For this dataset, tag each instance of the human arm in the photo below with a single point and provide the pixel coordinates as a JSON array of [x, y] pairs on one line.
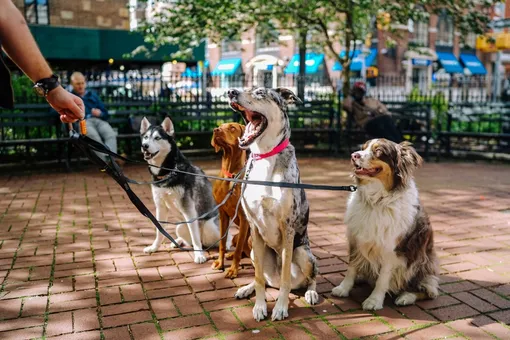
[[20, 46], [99, 105], [382, 109]]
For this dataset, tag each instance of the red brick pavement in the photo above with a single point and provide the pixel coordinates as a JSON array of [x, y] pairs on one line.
[[72, 266]]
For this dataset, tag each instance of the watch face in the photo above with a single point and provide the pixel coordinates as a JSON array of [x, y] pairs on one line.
[[39, 91]]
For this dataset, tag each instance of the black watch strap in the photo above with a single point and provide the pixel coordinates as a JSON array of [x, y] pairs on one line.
[[45, 85]]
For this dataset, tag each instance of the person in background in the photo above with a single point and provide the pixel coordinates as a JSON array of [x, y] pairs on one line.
[[370, 114], [19, 44], [96, 115]]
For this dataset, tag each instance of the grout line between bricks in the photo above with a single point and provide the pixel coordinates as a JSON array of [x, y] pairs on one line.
[[15, 256], [153, 314], [94, 267], [53, 262]]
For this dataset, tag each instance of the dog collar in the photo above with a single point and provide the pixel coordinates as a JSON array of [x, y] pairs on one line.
[[279, 148], [227, 173]]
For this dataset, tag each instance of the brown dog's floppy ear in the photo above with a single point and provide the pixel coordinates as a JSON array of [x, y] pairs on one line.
[[288, 95], [216, 147]]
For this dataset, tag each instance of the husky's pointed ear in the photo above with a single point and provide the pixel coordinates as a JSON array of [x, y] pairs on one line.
[[288, 96], [144, 125], [168, 126]]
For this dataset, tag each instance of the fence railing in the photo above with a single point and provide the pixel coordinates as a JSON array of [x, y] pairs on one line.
[[152, 85]]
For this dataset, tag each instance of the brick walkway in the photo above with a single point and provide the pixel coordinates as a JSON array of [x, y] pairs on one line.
[[72, 265]]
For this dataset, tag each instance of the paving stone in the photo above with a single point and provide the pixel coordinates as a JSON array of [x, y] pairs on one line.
[[472, 241]]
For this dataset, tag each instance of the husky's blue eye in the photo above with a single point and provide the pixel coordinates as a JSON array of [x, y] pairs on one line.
[[157, 138]]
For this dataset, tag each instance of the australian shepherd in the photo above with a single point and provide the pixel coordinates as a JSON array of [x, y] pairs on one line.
[[390, 237]]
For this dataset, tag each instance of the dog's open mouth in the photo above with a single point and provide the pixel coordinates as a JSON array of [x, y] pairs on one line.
[[147, 155], [359, 171], [256, 123]]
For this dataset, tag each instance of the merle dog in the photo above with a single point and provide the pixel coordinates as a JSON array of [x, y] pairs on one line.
[[278, 216]]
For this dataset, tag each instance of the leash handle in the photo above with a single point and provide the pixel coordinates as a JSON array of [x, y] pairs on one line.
[[83, 127]]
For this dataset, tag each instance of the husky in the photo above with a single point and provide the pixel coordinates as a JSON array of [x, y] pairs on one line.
[[278, 217], [190, 195]]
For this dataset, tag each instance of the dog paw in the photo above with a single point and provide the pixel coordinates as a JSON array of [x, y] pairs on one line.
[[311, 297], [340, 291], [373, 303], [405, 299], [244, 292], [280, 311], [150, 249], [179, 242], [259, 311], [232, 272], [217, 264], [200, 258]]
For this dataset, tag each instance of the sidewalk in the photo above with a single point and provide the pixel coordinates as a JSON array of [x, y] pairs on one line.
[[73, 267]]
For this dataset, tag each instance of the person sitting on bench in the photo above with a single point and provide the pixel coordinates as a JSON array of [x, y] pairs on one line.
[[370, 114], [96, 115]]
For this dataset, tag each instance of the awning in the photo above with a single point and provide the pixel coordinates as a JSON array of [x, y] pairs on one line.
[[61, 44], [449, 62], [313, 64], [196, 72], [473, 64], [356, 62], [227, 67]]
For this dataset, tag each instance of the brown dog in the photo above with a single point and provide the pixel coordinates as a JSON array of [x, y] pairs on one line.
[[225, 138]]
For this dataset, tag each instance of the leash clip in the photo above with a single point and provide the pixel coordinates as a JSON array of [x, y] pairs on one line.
[[352, 188]]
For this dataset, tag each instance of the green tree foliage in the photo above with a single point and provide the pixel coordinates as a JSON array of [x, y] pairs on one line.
[[331, 25]]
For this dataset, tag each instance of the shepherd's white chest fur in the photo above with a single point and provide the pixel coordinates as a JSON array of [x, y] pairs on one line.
[[265, 205], [376, 220]]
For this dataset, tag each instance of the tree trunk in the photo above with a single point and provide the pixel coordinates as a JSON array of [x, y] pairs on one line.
[[301, 81]]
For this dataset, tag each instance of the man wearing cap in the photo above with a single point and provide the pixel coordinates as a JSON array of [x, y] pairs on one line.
[[370, 114]]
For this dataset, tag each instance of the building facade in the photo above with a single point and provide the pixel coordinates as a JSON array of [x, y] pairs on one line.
[[423, 52], [112, 14]]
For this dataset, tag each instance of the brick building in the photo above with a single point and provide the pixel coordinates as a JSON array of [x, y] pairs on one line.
[[76, 13], [424, 51], [92, 34]]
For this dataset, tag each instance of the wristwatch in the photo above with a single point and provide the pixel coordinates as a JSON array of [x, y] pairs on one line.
[[44, 86]]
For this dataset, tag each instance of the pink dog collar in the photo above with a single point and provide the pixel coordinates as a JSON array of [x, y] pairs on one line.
[[279, 148]]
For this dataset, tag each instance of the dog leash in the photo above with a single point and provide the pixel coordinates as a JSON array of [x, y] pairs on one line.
[[88, 145], [82, 142], [98, 147]]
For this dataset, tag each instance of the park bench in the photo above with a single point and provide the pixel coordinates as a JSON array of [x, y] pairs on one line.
[[30, 133], [412, 119], [315, 125], [477, 129]]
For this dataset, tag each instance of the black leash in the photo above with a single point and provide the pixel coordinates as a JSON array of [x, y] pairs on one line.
[[88, 146], [98, 147]]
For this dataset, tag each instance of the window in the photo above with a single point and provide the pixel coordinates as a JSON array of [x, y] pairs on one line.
[[271, 43], [444, 30], [230, 45], [470, 41], [419, 33], [37, 12]]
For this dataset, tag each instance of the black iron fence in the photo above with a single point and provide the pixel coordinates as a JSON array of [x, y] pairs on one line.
[[460, 114]]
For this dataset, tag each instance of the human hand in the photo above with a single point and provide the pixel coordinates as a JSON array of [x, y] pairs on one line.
[[69, 107], [96, 112]]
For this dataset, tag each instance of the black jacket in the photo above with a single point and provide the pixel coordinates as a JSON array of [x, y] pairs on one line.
[[6, 95]]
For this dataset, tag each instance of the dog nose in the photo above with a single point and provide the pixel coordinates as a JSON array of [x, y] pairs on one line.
[[145, 146], [355, 155], [232, 93], [217, 130]]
